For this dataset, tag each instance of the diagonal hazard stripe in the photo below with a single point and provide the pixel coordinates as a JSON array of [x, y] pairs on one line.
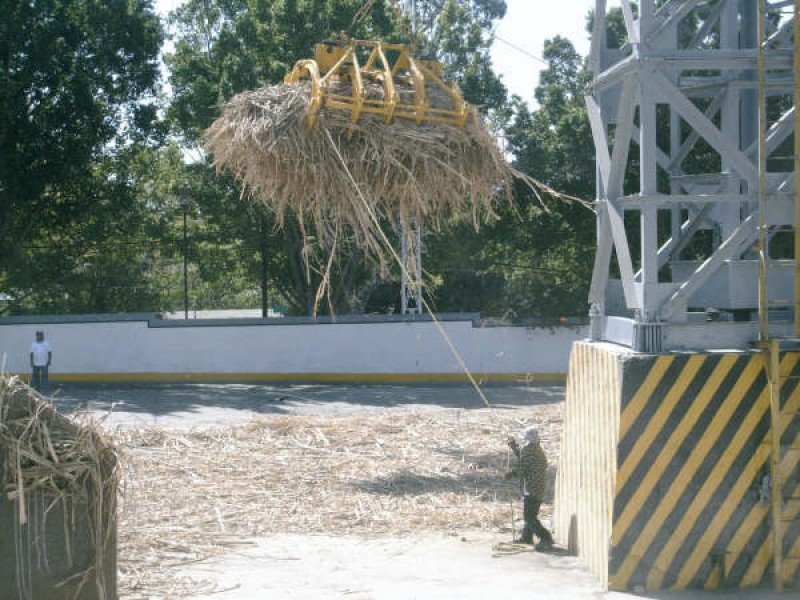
[[656, 473], [761, 559], [792, 564], [743, 483], [642, 396], [758, 566], [752, 521], [757, 513], [715, 429], [749, 526], [667, 502], [656, 424]]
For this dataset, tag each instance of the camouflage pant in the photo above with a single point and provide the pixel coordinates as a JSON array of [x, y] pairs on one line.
[[530, 512]]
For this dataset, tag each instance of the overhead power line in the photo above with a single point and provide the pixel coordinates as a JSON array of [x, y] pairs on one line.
[[521, 50]]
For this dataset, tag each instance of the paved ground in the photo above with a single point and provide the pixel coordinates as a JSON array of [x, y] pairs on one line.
[[189, 405], [424, 567], [428, 567]]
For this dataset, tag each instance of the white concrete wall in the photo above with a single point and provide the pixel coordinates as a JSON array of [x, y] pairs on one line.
[[379, 348]]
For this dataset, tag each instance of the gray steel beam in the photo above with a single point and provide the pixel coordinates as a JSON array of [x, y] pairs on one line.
[[674, 308], [670, 64]]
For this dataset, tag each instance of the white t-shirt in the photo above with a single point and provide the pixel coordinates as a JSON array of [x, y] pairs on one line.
[[40, 351]]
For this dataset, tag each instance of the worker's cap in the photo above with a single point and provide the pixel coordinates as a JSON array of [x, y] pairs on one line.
[[530, 435]]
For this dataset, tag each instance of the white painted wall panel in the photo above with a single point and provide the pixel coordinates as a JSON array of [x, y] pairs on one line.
[[370, 348]]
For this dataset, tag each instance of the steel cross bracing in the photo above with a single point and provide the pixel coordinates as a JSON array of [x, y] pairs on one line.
[[411, 276], [674, 112], [411, 236]]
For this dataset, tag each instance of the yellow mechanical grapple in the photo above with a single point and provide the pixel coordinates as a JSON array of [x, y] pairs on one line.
[[412, 88]]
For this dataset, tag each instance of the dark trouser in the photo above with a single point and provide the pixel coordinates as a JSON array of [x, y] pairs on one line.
[[39, 379], [530, 512]]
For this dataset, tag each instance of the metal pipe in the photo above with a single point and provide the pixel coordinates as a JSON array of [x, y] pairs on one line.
[[772, 346], [796, 168], [185, 265], [749, 112], [264, 250], [763, 291]]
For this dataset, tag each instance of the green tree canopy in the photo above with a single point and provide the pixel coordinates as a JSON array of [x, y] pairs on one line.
[[74, 79], [535, 261], [72, 72], [226, 47], [459, 33]]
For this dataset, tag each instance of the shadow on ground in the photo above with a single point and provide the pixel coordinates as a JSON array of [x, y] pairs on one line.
[[166, 399], [487, 485]]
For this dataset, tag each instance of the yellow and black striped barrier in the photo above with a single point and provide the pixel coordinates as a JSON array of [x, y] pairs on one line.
[[681, 443]]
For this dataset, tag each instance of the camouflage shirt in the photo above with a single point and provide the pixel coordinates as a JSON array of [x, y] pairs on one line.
[[532, 469]]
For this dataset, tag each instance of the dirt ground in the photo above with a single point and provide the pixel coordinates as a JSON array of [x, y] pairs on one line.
[[424, 566], [300, 492]]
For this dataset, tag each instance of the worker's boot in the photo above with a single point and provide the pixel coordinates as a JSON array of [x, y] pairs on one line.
[[526, 537], [545, 539]]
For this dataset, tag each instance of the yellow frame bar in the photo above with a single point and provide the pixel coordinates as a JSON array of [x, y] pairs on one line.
[[377, 66]]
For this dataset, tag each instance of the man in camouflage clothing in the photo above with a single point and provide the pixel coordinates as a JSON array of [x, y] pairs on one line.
[[532, 471]]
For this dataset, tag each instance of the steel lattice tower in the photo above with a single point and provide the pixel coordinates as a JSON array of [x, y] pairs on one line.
[[678, 100]]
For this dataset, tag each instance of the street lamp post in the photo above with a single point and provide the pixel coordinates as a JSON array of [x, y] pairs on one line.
[[184, 200], [264, 300]]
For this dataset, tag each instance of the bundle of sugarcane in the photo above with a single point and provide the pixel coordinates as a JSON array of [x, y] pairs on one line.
[[345, 178], [47, 459]]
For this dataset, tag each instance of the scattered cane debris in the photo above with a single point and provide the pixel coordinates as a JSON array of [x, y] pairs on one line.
[[53, 468], [193, 494]]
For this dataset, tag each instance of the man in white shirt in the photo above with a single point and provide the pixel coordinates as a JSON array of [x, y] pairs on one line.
[[41, 358]]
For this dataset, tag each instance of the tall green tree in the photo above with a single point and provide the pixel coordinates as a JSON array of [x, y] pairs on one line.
[[73, 74], [554, 144], [121, 256], [459, 33], [225, 47], [535, 260]]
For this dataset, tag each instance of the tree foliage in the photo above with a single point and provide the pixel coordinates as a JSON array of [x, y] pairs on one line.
[[117, 257], [223, 48], [73, 77], [71, 71], [459, 34], [535, 261], [90, 164]]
